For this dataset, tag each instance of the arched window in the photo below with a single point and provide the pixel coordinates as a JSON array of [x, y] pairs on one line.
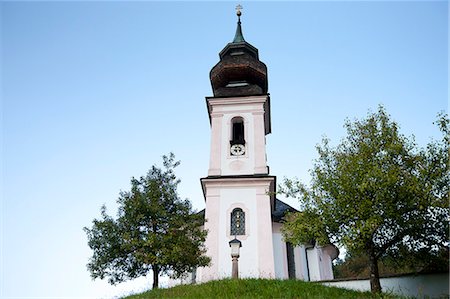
[[237, 222], [237, 133]]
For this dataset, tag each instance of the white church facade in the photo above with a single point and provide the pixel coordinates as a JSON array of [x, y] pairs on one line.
[[239, 191]]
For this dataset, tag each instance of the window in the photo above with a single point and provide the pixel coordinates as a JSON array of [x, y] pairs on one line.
[[237, 222], [237, 84], [237, 133]]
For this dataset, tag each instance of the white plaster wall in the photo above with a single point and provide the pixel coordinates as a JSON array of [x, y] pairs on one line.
[[303, 273], [244, 198], [251, 109], [313, 264], [420, 286], [280, 256], [257, 258], [299, 258], [212, 216], [434, 285], [238, 165], [357, 285], [326, 266], [279, 252], [256, 254], [320, 262], [264, 227]]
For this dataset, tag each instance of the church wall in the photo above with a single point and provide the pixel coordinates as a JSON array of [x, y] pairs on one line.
[[260, 163], [238, 176], [235, 165], [280, 256], [327, 271], [279, 252], [303, 273], [320, 262], [244, 198], [265, 244], [256, 253], [300, 263], [313, 264], [216, 149], [329, 252], [254, 160], [212, 211]]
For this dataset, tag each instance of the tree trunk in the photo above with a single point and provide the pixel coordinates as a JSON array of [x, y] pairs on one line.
[[375, 285], [155, 276]]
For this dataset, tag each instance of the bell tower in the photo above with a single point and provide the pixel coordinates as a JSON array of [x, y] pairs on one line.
[[239, 111], [238, 189]]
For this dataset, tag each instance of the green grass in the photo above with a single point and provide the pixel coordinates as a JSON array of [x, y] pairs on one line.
[[256, 288]]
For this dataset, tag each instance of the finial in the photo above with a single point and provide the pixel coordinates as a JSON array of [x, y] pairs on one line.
[[238, 11], [238, 37]]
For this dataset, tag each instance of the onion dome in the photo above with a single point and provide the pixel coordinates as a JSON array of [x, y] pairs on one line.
[[239, 71]]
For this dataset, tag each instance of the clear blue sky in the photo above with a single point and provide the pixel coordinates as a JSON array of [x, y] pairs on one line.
[[94, 93]]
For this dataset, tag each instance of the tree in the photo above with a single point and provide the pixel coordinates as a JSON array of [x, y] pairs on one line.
[[154, 230], [375, 193]]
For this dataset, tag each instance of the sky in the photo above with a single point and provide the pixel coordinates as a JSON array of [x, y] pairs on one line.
[[94, 93]]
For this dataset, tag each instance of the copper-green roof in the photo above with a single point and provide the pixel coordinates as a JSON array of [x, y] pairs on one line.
[[238, 37]]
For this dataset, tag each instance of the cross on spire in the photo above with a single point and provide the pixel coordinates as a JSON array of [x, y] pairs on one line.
[[238, 36], [238, 11]]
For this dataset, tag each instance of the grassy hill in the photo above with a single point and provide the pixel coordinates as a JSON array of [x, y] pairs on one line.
[[256, 288]]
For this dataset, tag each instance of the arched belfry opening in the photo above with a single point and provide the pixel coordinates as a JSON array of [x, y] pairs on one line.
[[237, 131]]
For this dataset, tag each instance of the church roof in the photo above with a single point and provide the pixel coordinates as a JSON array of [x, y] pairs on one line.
[[239, 37], [202, 212], [281, 208]]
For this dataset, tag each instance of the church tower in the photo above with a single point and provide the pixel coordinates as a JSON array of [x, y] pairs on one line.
[[238, 189]]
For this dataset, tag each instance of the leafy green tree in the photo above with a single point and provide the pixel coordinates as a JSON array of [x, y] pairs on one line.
[[154, 230], [375, 193]]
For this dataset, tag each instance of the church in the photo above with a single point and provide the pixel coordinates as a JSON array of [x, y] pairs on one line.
[[239, 191]]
